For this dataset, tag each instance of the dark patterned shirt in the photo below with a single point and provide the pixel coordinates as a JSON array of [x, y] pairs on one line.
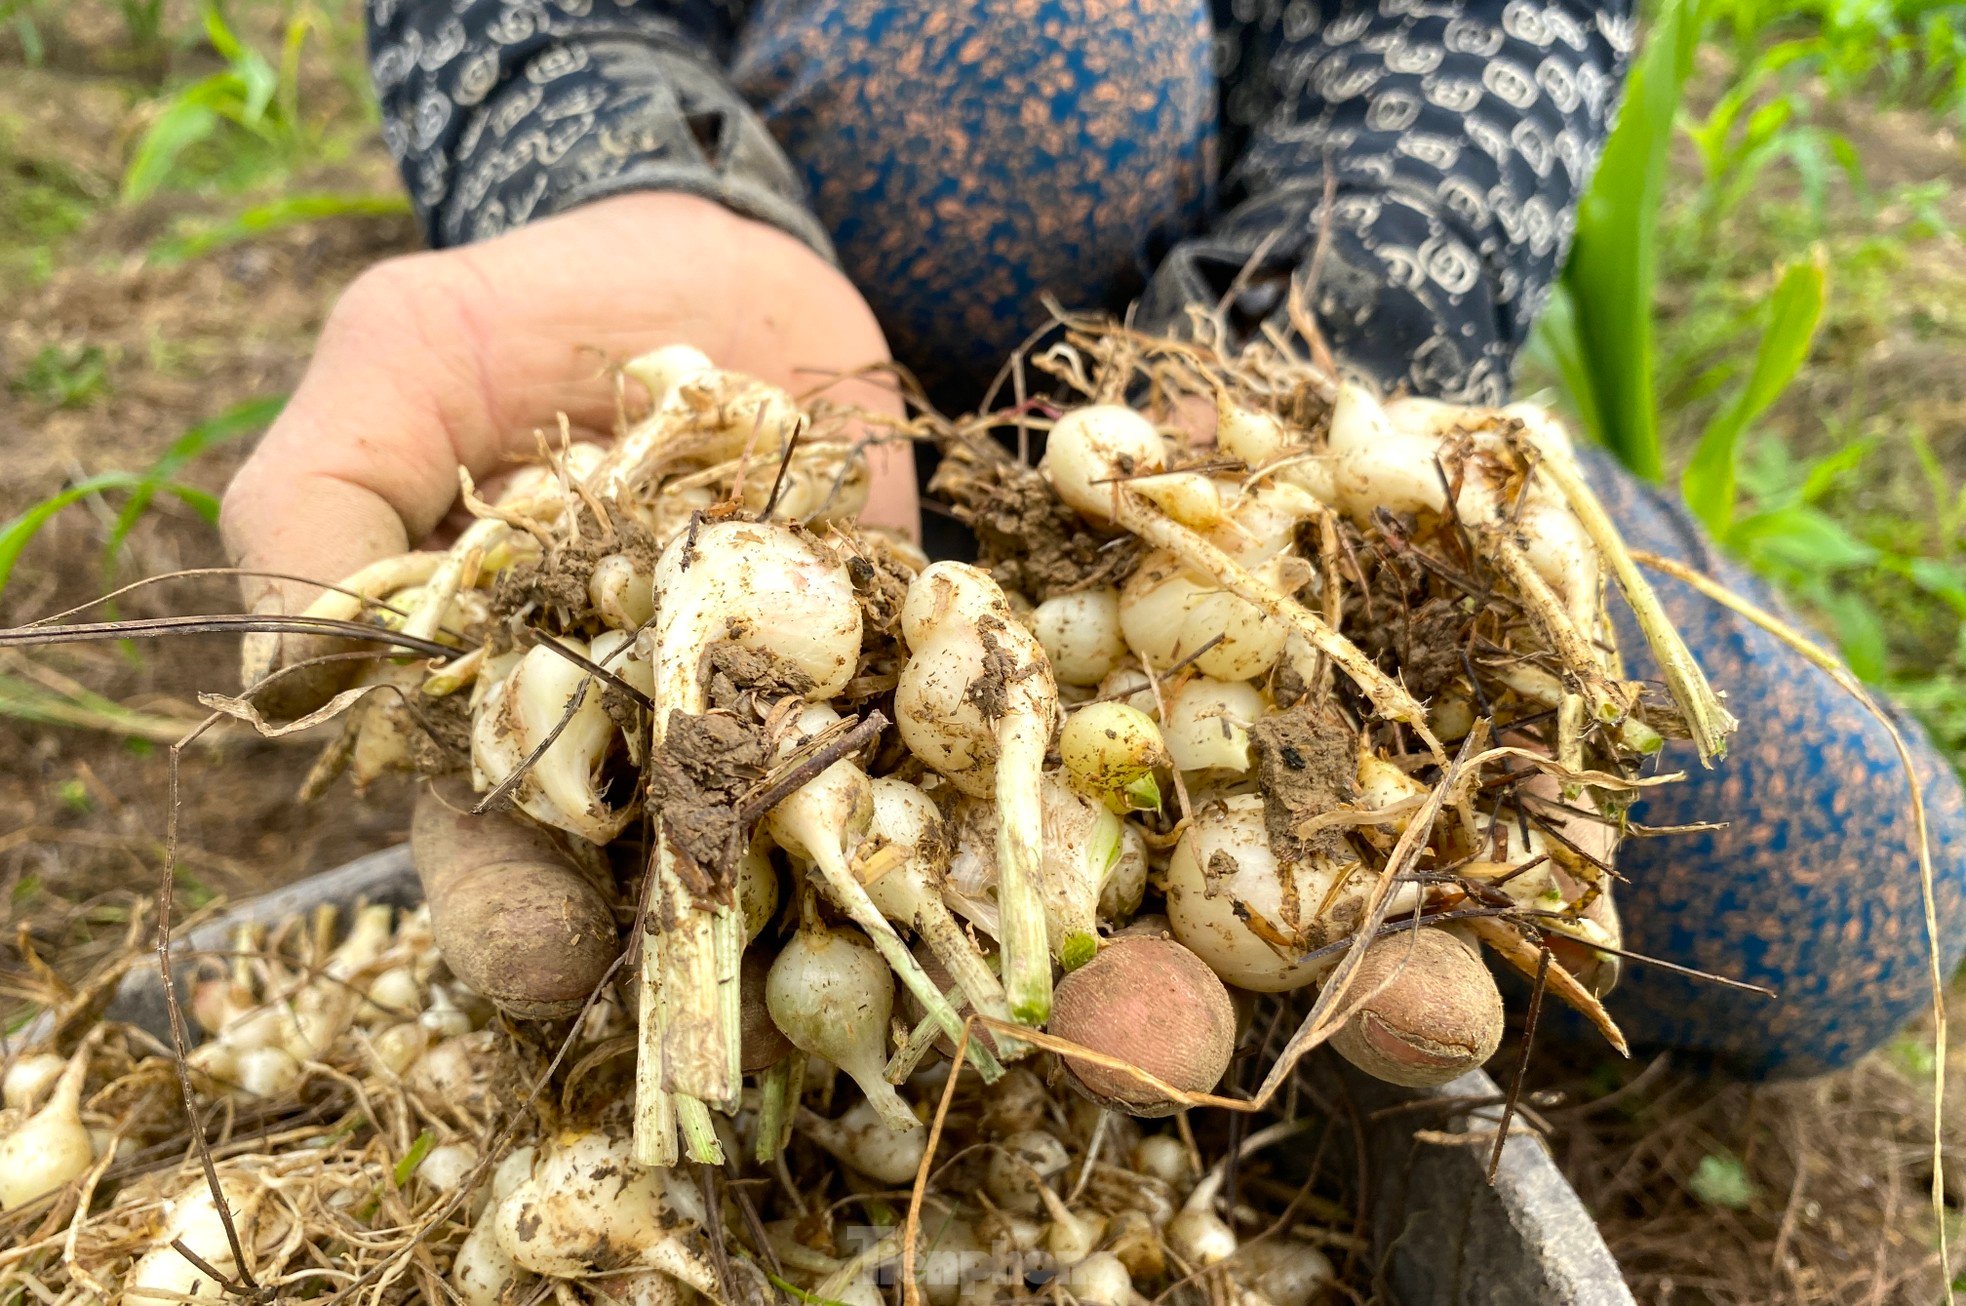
[[1454, 140]]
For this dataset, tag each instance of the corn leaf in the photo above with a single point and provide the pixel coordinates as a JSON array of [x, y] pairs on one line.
[[253, 415], [1795, 310], [1802, 539], [1859, 631], [16, 534], [185, 122], [1614, 259], [1557, 343], [289, 211]]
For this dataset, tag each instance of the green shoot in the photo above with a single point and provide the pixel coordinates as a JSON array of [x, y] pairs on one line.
[[413, 1158], [142, 487], [1794, 311], [287, 211], [251, 103], [64, 377]]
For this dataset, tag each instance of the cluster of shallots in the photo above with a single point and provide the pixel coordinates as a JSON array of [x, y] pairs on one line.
[[856, 784], [345, 1086], [370, 1128]]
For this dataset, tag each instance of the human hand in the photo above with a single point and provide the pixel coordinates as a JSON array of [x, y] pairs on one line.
[[453, 358]]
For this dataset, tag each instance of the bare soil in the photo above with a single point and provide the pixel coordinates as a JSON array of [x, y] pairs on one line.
[[84, 813]]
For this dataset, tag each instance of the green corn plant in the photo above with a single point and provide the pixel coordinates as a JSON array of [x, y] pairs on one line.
[[139, 489], [1763, 117], [197, 239], [250, 107], [1795, 309], [1600, 331]]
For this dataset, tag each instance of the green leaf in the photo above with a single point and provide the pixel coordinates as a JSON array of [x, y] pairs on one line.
[[1557, 340], [1859, 632], [1802, 538], [1613, 263], [298, 30], [1720, 1180], [1913, 1055], [243, 419], [1795, 309], [1827, 472], [219, 32], [64, 377], [289, 211], [16, 534], [414, 1157], [183, 123], [1939, 578]]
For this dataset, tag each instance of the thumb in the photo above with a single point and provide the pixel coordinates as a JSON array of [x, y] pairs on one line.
[[362, 462]]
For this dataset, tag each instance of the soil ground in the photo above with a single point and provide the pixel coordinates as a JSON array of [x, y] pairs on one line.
[[1709, 1192]]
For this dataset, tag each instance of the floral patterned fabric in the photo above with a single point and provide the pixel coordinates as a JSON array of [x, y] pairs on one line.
[[962, 159]]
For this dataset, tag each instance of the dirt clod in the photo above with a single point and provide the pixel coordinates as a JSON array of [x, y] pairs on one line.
[[695, 776], [736, 670], [1026, 539], [1304, 762]]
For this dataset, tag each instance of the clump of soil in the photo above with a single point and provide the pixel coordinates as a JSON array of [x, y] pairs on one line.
[[706, 763], [696, 775], [736, 670], [1025, 538], [1306, 763]]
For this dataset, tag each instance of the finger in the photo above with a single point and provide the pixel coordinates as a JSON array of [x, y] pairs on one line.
[[359, 465], [893, 500], [512, 914]]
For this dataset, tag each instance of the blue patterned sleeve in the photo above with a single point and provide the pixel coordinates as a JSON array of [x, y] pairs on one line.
[[499, 113], [1455, 140]]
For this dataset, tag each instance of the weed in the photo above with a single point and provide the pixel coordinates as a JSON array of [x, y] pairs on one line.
[[139, 488], [1721, 1180], [248, 113], [64, 376], [287, 211]]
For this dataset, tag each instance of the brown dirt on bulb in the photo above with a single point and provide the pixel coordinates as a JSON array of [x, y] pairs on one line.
[[990, 692], [880, 582], [1304, 767], [441, 740], [736, 670], [1025, 538], [696, 775], [556, 584], [1428, 643], [1420, 639]]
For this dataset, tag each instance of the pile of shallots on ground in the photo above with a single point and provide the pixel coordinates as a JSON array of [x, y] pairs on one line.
[[380, 1131], [1259, 686]]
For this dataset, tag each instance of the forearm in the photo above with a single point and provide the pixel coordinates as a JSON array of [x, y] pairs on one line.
[[499, 116], [1454, 151]]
